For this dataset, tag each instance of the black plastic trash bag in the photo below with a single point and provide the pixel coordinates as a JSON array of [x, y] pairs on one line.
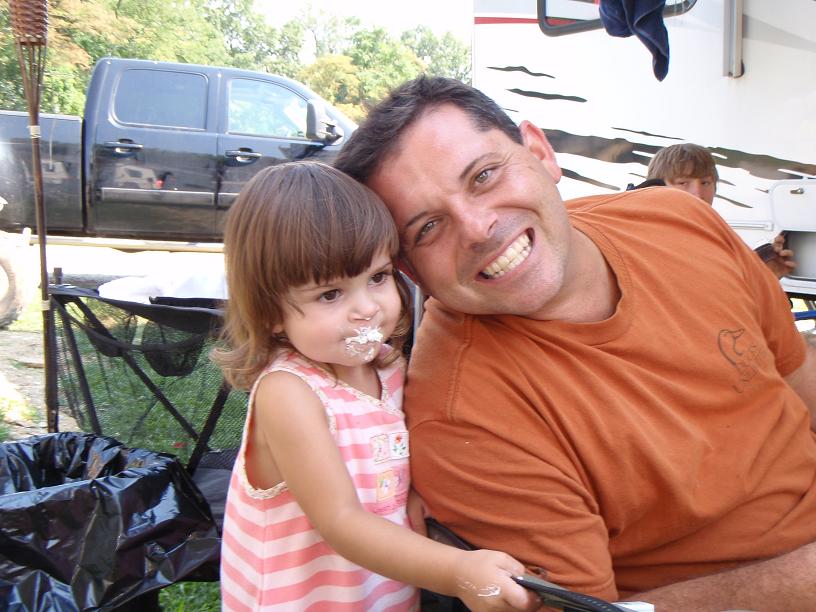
[[86, 523]]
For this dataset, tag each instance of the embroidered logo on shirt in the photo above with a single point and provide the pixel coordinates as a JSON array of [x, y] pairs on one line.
[[385, 447], [379, 448], [386, 485], [741, 353], [399, 444], [392, 489]]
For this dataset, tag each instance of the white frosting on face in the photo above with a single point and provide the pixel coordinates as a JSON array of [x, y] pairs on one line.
[[365, 344]]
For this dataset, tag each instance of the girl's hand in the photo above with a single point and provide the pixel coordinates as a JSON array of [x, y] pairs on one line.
[[416, 513], [484, 582]]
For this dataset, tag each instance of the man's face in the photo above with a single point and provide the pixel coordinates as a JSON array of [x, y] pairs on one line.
[[703, 187], [482, 225]]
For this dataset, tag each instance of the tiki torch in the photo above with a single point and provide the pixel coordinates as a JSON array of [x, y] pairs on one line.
[[29, 24]]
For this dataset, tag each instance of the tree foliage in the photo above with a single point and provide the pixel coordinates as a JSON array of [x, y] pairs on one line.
[[350, 65]]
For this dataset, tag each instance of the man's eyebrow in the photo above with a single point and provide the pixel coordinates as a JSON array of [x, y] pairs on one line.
[[467, 169], [411, 221]]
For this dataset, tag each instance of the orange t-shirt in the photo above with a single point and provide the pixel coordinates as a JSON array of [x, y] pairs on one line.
[[655, 446]]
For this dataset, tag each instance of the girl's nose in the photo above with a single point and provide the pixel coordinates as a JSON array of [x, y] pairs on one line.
[[365, 308]]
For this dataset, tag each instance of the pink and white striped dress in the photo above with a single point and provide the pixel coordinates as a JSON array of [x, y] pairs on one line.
[[271, 556]]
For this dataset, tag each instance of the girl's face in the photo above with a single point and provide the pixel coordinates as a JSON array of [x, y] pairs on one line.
[[344, 321]]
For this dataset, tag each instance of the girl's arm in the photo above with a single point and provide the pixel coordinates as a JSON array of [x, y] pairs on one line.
[[292, 424]]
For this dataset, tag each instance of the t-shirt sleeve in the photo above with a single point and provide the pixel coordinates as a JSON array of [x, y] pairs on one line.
[[773, 306]]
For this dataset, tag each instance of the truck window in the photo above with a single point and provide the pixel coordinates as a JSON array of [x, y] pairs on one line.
[[261, 108], [162, 98], [558, 17]]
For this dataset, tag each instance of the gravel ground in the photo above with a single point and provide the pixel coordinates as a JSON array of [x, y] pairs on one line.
[[22, 383]]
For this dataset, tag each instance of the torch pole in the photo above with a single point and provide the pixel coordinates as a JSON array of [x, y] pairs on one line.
[[29, 23]]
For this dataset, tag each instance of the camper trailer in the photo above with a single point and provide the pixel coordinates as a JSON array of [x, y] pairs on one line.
[[741, 81]]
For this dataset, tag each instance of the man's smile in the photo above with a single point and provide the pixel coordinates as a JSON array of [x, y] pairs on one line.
[[514, 255]]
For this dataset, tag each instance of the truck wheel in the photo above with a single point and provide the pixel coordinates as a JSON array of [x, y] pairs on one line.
[[12, 294]]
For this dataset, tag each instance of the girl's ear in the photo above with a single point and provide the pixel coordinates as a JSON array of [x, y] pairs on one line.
[[277, 328], [537, 143]]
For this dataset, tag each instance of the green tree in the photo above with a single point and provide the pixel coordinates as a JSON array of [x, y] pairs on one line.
[[446, 56], [335, 78], [250, 42], [328, 33], [382, 63]]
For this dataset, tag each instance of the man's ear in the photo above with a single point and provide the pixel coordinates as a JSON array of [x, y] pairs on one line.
[[536, 142], [405, 267]]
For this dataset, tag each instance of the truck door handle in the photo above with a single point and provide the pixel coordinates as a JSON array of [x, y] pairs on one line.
[[243, 157], [124, 147]]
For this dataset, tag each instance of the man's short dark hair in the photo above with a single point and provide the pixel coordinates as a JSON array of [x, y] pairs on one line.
[[378, 135]]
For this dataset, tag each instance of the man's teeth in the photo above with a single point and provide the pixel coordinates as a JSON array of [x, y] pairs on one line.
[[512, 257]]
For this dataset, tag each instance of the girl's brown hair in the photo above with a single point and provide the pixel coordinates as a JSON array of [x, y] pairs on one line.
[[293, 224]]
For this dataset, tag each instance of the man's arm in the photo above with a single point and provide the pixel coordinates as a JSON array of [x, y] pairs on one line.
[[780, 584], [803, 379]]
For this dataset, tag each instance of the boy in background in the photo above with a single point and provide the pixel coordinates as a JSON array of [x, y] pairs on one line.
[[691, 168]]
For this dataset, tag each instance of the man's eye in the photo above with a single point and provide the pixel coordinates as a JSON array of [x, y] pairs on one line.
[[330, 296], [483, 175], [425, 230]]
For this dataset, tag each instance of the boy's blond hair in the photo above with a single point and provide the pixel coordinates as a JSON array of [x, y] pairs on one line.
[[682, 161]]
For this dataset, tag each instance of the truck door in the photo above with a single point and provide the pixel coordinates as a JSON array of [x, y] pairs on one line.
[[153, 160], [265, 124]]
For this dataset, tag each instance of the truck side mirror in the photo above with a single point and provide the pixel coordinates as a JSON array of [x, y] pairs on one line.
[[319, 126]]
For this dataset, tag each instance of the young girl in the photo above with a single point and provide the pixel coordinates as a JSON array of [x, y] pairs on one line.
[[316, 513]]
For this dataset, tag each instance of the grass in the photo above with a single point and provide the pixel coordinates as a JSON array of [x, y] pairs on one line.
[[184, 596], [30, 319]]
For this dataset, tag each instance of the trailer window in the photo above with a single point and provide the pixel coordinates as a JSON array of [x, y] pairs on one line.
[[559, 17], [163, 98], [261, 108]]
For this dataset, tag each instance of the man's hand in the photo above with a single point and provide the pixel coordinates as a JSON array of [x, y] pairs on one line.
[[417, 513]]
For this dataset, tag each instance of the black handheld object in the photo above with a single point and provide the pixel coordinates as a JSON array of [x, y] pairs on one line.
[[766, 251], [558, 597]]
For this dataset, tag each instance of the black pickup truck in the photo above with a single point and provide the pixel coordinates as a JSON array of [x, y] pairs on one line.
[[160, 154]]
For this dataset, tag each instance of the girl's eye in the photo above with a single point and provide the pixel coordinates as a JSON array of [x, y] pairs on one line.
[[380, 277], [330, 296]]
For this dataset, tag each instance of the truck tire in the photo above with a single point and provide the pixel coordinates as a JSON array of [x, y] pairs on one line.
[[12, 289]]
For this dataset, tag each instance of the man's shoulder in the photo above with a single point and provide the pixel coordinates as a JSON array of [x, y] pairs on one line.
[[647, 197], [660, 206]]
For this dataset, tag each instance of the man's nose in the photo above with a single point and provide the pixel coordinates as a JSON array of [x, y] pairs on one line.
[[475, 224]]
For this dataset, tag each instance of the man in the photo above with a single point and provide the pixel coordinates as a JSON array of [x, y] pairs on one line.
[[691, 168], [586, 393]]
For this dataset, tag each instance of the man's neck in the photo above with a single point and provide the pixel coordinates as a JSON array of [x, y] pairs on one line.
[[590, 292]]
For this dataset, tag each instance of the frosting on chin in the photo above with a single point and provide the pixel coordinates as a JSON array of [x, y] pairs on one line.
[[365, 344]]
